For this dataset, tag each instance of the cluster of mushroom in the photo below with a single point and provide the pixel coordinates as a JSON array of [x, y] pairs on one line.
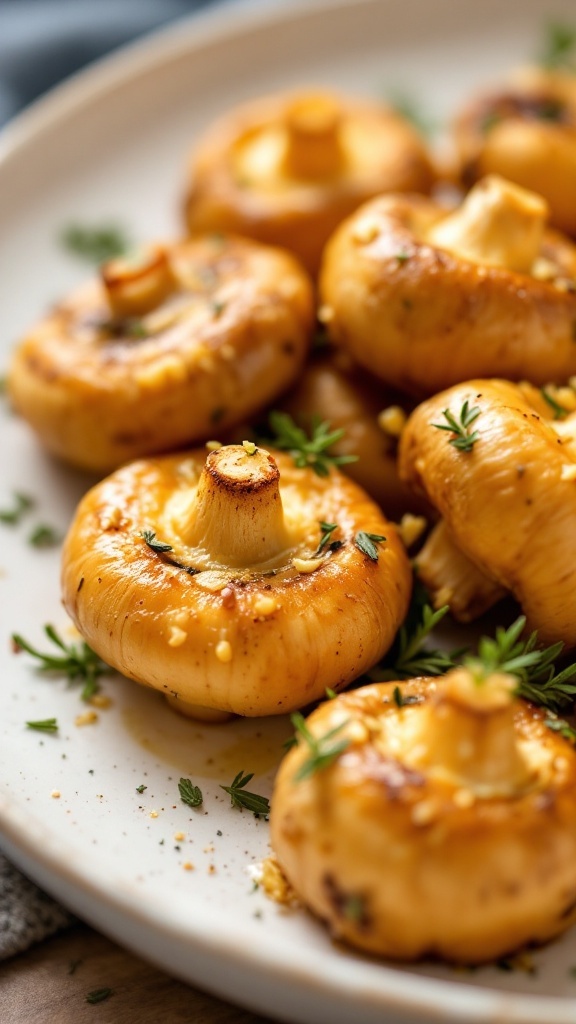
[[237, 580]]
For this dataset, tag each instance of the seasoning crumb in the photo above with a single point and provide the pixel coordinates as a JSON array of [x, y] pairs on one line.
[[153, 814], [100, 700], [55, 794], [179, 836], [270, 877], [86, 718], [188, 866]]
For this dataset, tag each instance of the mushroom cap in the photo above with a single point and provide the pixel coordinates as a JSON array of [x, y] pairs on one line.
[[333, 388], [422, 318], [407, 865], [257, 641], [287, 169], [526, 131], [100, 389], [510, 502]]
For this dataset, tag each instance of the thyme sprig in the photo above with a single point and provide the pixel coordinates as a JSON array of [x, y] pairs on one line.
[[241, 798], [153, 543], [77, 661], [323, 752], [410, 656], [22, 503], [463, 440], [534, 666], [326, 531], [311, 451], [559, 45], [95, 244]]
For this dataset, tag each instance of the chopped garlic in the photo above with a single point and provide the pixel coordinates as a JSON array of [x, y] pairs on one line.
[[224, 651], [392, 420]]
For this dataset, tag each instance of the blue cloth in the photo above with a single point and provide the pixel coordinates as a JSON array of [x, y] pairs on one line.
[[44, 41]]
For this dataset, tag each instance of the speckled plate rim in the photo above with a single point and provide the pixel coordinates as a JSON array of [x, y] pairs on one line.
[[140, 922]]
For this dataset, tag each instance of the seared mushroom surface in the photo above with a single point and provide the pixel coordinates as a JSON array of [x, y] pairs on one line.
[[287, 169], [505, 484], [168, 348], [238, 583], [442, 823], [526, 131], [424, 298]]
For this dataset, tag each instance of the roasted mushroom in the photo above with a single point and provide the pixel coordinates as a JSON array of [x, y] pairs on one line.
[[526, 131], [237, 583], [434, 818], [287, 169], [169, 347], [501, 471], [424, 298]]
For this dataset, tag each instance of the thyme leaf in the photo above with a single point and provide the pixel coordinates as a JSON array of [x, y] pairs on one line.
[[77, 661], [463, 440], [189, 793], [322, 751], [22, 503], [44, 536], [98, 995], [410, 656], [44, 725], [326, 531], [155, 545], [307, 451], [241, 798], [366, 543], [95, 244]]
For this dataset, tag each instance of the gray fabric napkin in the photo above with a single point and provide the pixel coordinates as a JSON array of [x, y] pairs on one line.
[[27, 914]]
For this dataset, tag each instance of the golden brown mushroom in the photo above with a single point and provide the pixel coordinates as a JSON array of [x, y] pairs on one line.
[[526, 131], [334, 389], [505, 485], [216, 582], [287, 169], [424, 298], [169, 347], [444, 827]]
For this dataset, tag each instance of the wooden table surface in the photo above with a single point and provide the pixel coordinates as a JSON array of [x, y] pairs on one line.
[[49, 984]]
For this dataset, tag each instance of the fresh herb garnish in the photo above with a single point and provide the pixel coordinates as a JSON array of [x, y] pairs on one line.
[[409, 108], [98, 995], [560, 725], [409, 656], [189, 793], [77, 661], [95, 244], [218, 307], [366, 543], [249, 447], [44, 725], [322, 751], [153, 543], [22, 504], [463, 440], [403, 701], [240, 797], [310, 451], [534, 666], [44, 536], [141, 788], [402, 256], [558, 410], [326, 531], [558, 49]]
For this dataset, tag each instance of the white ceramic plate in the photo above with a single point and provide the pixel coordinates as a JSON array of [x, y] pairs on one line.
[[112, 145]]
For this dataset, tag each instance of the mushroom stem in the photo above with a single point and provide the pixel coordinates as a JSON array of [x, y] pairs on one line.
[[313, 146], [136, 285], [466, 734], [237, 515], [498, 224], [451, 578]]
